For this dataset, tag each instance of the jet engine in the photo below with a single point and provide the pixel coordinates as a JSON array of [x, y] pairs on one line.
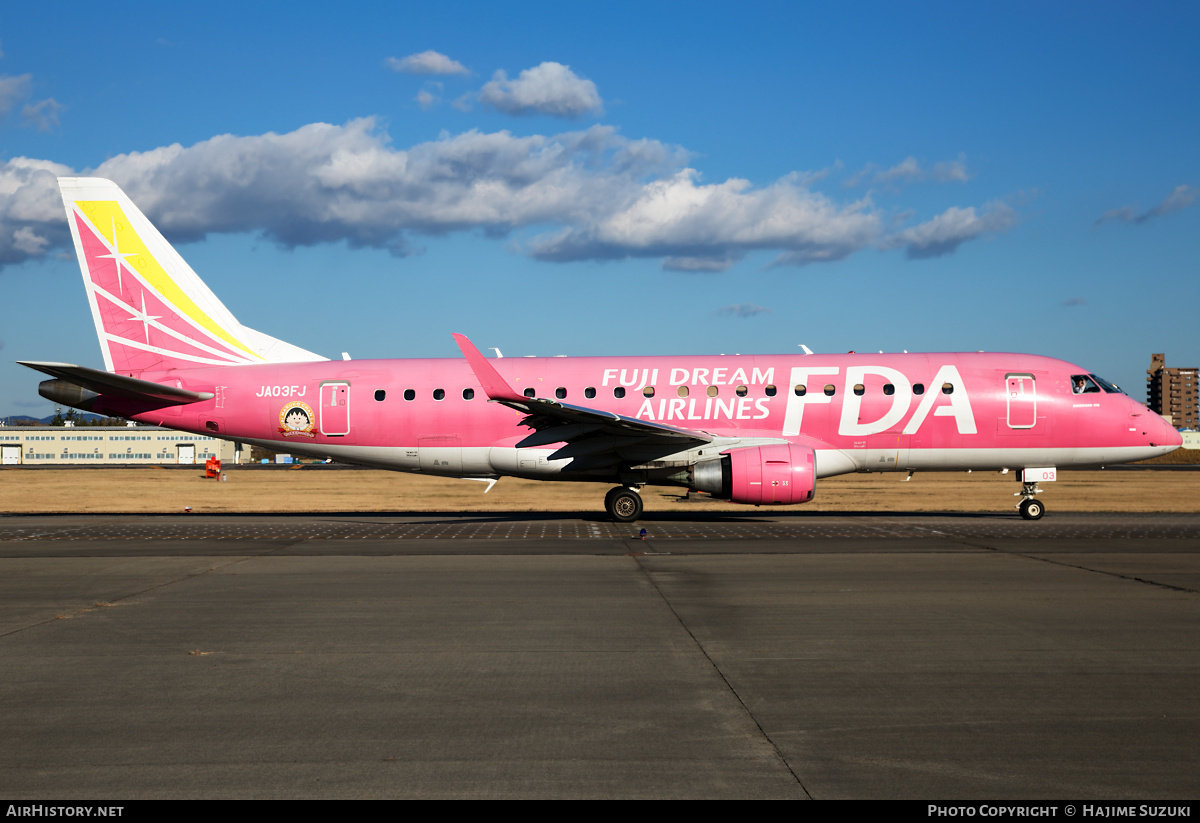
[[772, 475]]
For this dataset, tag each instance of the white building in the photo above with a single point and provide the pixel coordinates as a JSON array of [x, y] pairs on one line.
[[111, 445]]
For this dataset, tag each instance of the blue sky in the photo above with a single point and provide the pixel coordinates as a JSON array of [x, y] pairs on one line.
[[674, 178]]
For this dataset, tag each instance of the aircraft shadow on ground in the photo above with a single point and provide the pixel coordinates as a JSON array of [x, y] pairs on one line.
[[415, 518]]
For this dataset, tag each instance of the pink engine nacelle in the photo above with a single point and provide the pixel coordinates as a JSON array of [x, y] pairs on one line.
[[762, 475]]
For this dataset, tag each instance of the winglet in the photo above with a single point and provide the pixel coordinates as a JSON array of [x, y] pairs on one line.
[[495, 386]]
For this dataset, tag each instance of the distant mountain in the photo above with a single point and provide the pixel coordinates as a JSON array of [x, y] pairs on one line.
[[20, 420], [81, 419]]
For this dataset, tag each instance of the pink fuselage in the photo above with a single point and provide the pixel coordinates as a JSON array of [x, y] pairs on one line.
[[883, 412]]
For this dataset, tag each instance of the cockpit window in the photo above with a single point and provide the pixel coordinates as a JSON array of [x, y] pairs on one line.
[[1111, 388], [1083, 384]]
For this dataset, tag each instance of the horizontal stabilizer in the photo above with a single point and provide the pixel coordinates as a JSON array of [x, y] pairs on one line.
[[103, 382]]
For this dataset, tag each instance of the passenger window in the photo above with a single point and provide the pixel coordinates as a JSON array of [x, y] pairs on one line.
[[918, 388], [468, 394], [801, 390], [560, 393], [947, 388], [682, 391], [380, 394], [589, 392], [439, 394], [740, 391], [770, 390], [409, 394], [648, 391], [829, 390], [712, 391], [889, 389], [859, 389], [619, 392], [530, 393]]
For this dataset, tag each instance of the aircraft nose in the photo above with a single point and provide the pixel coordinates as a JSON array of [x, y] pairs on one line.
[[1162, 433], [1170, 435]]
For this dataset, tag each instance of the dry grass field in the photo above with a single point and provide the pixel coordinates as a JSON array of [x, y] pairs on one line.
[[316, 489]]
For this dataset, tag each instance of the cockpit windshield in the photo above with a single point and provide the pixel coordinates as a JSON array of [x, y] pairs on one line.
[[1091, 384], [1111, 388]]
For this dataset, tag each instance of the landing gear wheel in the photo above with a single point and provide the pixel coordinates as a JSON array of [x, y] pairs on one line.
[[623, 505], [1032, 509], [608, 498]]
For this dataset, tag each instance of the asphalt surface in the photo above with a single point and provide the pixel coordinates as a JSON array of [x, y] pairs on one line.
[[510, 655]]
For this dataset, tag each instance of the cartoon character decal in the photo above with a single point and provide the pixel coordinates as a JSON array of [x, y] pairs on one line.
[[296, 420]]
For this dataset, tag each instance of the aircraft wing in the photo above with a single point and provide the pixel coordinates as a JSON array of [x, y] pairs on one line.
[[593, 436]]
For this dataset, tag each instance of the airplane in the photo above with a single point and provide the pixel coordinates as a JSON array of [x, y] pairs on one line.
[[758, 430]]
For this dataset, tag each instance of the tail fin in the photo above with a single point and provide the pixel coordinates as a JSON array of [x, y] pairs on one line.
[[152, 311]]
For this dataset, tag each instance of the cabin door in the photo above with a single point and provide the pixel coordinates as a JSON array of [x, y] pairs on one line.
[[335, 409], [1020, 393]]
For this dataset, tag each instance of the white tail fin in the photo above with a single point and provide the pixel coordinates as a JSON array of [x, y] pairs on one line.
[[152, 311]]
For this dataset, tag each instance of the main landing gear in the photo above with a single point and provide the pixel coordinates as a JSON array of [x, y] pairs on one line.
[[623, 504], [1030, 508]]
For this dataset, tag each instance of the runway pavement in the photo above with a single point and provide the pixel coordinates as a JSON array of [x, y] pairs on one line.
[[802, 655]]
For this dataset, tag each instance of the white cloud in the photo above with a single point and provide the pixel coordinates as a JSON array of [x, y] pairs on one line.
[[43, 114], [1180, 198], [1123, 215], [909, 170], [324, 183], [30, 206], [700, 264], [950, 229], [951, 171], [677, 218], [427, 62], [426, 100], [13, 89], [28, 241], [580, 195], [742, 310], [550, 88]]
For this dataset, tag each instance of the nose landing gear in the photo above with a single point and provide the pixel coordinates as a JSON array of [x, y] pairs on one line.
[[1030, 508], [623, 504]]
